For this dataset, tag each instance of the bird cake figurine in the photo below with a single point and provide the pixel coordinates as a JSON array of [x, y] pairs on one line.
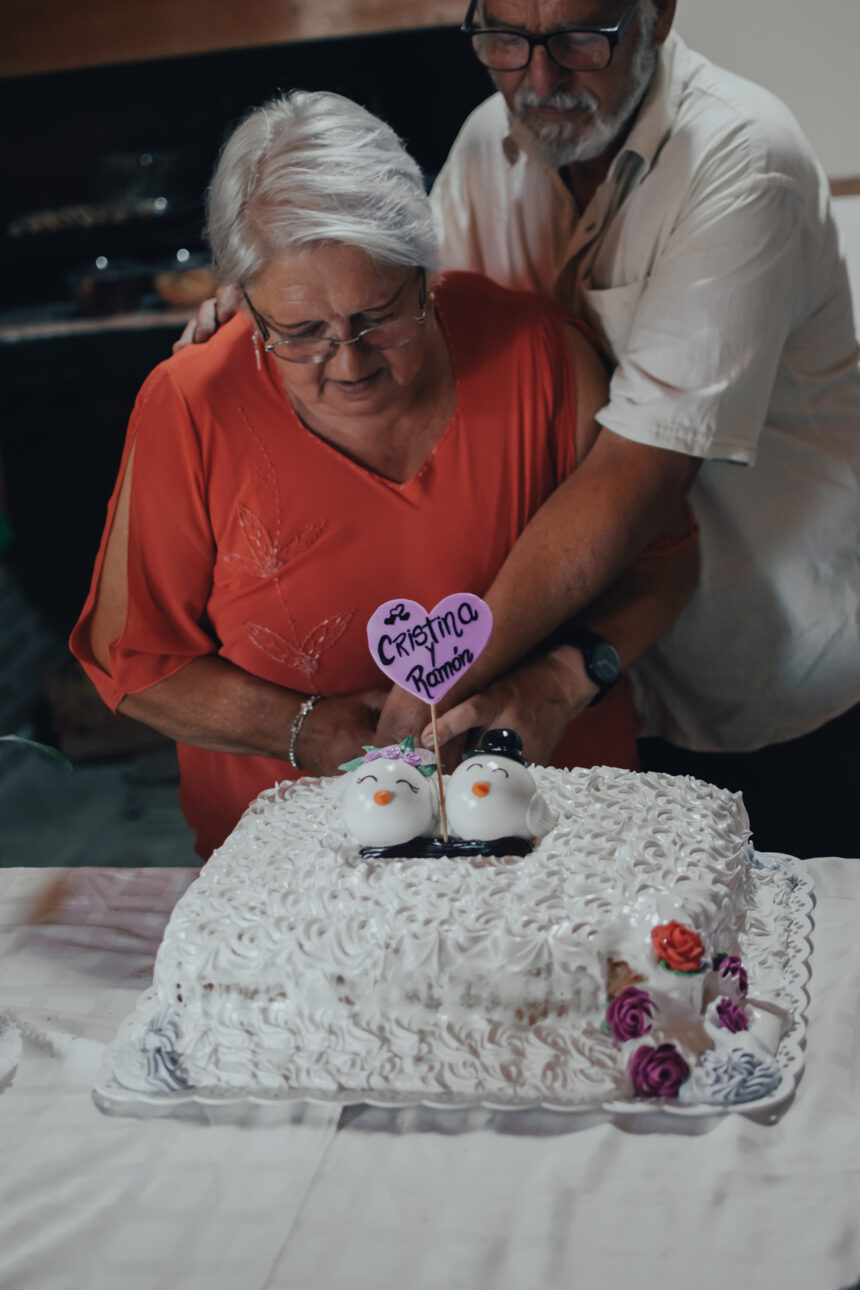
[[492, 795], [389, 796]]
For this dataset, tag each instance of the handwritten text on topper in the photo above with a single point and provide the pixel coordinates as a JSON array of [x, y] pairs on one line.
[[427, 653]]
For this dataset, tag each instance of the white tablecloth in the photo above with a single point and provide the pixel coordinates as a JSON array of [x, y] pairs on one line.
[[408, 1200]]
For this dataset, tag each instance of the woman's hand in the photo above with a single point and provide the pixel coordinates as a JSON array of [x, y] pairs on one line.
[[211, 703], [335, 730], [209, 317], [538, 700]]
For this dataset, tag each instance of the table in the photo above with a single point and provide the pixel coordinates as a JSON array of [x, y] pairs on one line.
[[366, 1199]]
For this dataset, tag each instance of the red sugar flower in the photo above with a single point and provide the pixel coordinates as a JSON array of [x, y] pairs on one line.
[[679, 947]]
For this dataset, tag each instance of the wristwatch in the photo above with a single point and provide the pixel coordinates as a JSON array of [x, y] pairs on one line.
[[602, 664]]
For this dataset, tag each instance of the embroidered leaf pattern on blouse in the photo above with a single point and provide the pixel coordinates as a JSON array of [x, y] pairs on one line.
[[265, 556], [304, 656]]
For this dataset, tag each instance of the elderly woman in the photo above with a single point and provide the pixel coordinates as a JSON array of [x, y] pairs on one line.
[[362, 429]]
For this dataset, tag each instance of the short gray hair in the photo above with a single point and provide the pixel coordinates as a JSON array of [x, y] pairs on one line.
[[316, 167]]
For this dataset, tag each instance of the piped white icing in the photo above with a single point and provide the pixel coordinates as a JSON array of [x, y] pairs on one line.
[[294, 963], [739, 1068], [154, 1063]]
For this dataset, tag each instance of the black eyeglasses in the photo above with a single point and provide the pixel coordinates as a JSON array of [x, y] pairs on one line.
[[390, 334], [579, 49]]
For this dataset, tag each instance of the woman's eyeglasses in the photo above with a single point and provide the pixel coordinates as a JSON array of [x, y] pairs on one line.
[[390, 334]]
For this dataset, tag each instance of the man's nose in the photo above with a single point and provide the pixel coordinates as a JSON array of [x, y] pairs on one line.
[[543, 74]]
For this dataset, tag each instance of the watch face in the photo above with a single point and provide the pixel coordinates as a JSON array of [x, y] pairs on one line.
[[605, 664]]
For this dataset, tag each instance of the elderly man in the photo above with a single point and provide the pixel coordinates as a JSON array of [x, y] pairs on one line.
[[679, 209]]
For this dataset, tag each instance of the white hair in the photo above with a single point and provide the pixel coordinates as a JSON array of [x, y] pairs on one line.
[[315, 167]]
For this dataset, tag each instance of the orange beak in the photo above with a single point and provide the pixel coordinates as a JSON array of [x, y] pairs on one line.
[[481, 788], [382, 797]]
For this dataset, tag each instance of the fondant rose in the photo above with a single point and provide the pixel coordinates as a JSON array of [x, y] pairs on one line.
[[629, 1014], [731, 1016], [733, 971], [679, 947], [657, 1072]]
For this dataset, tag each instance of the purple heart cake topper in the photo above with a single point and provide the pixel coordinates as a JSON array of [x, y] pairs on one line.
[[427, 653]]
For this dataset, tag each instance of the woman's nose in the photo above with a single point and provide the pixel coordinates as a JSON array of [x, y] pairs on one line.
[[480, 788], [349, 362]]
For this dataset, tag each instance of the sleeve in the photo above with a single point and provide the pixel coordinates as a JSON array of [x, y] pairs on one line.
[[171, 550], [564, 402], [697, 364]]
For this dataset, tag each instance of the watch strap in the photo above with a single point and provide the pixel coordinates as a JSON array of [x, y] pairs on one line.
[[588, 643]]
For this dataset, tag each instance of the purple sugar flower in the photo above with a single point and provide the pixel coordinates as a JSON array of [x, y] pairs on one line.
[[629, 1014], [412, 758], [392, 752], [373, 755], [731, 1016], [657, 1072], [732, 969]]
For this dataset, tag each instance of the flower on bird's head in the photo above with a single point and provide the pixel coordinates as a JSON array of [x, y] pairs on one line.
[[404, 751]]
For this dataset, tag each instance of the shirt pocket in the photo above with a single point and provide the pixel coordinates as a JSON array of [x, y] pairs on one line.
[[610, 312]]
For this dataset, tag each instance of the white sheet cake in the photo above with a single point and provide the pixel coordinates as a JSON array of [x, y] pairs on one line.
[[590, 970]]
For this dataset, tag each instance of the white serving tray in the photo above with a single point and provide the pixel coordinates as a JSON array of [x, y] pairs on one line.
[[225, 1105]]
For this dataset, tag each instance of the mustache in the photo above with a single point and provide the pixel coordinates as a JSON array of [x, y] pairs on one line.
[[561, 100]]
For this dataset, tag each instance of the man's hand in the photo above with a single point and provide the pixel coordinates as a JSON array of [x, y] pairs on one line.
[[336, 730], [403, 715], [538, 700], [210, 315]]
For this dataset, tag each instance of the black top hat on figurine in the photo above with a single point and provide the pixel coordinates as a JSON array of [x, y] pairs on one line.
[[501, 743]]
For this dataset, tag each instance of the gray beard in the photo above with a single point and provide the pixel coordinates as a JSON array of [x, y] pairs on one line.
[[564, 142]]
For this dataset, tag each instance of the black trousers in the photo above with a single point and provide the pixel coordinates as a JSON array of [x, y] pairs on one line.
[[803, 796]]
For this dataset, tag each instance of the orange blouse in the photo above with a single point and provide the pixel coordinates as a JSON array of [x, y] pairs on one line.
[[252, 538]]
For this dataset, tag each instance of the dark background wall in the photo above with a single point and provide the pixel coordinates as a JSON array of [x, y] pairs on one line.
[[78, 138]]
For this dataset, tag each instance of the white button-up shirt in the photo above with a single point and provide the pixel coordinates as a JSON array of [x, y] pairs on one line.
[[709, 263]]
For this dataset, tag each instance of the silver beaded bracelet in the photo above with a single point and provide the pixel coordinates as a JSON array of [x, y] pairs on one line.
[[296, 728]]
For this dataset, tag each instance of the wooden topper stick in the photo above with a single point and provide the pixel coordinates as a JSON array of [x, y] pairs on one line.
[[444, 818]]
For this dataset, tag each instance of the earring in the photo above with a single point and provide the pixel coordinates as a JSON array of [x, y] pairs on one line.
[[256, 341]]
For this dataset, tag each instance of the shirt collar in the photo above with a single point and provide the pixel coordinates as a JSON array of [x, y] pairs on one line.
[[653, 122], [659, 109]]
